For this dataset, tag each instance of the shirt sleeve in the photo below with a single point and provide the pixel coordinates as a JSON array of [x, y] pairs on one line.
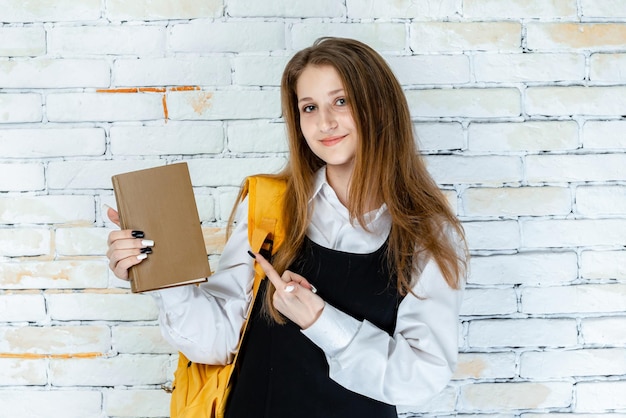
[[204, 321], [411, 366]]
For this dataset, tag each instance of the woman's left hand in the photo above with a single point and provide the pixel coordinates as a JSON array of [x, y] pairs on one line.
[[294, 296]]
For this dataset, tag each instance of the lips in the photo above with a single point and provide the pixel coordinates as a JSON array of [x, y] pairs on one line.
[[330, 141]]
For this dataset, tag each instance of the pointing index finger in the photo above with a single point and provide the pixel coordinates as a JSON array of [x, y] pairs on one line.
[[269, 270]]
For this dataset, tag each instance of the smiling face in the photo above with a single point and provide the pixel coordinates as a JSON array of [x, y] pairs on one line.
[[326, 119]]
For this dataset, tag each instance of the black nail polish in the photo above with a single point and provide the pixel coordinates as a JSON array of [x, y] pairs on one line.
[[251, 254], [146, 250], [137, 234]]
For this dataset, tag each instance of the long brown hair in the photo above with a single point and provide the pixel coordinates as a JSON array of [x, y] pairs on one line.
[[388, 168]]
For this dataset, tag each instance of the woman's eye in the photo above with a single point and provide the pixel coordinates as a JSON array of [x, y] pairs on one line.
[[308, 109], [341, 102]]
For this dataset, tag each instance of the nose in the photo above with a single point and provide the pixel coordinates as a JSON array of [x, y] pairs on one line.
[[327, 121]]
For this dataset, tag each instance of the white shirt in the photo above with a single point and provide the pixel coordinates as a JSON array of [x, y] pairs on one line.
[[408, 368]]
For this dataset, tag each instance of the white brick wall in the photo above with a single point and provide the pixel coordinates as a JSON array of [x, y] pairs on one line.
[[519, 109]]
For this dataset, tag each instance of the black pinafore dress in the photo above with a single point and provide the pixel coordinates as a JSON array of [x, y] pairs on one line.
[[282, 374]]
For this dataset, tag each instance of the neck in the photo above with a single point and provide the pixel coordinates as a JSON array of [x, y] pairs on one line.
[[339, 179]]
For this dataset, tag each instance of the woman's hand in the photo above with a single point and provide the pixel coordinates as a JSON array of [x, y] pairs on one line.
[[294, 296], [126, 247]]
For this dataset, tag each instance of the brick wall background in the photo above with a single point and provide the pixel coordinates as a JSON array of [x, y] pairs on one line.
[[519, 106]]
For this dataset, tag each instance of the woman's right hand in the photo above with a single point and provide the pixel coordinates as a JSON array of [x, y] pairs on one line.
[[126, 247]]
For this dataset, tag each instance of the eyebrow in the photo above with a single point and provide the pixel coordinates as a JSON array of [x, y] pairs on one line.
[[330, 93]]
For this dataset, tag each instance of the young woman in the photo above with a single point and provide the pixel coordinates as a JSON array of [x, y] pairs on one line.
[[361, 310]]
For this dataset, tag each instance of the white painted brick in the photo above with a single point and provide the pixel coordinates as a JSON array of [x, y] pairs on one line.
[[61, 274], [431, 69], [223, 104], [603, 8], [587, 362], [573, 415], [485, 366], [545, 67], [516, 201], [227, 37], [24, 403], [600, 396], [285, 8], [173, 138], [570, 168], [452, 199], [24, 242], [574, 299], [57, 11], [607, 67], [15, 177], [212, 71], [439, 136], [137, 403], [257, 136], [162, 9], [55, 340], [517, 395], [603, 265], [111, 107], [230, 171], [22, 372], [101, 306], [106, 40], [226, 203], [112, 371], [206, 207], [601, 200], [92, 174], [19, 307], [139, 340], [81, 241], [258, 71], [606, 331], [442, 404], [524, 268], [575, 100], [453, 169], [22, 41], [304, 34], [492, 235], [54, 73], [604, 134], [525, 136], [575, 36], [466, 102], [20, 107], [573, 233], [465, 36], [57, 209], [402, 9], [523, 333], [214, 239], [42, 143], [489, 302], [520, 9]]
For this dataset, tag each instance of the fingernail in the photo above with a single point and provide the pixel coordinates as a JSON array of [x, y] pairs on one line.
[[147, 243], [146, 250], [289, 288], [137, 234], [313, 289], [251, 254], [142, 256]]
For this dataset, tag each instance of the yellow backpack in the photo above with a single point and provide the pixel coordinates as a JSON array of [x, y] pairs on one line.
[[201, 390]]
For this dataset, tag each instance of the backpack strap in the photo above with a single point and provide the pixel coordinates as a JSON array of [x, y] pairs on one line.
[[265, 229]]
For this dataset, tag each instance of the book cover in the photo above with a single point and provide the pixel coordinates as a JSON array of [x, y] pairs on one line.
[[160, 202]]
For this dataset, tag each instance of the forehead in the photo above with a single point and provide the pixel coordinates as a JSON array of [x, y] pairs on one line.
[[318, 79]]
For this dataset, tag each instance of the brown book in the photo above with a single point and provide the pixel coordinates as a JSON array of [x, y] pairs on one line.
[[160, 202]]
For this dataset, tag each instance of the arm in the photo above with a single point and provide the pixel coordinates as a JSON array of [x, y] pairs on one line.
[[204, 321], [408, 368]]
